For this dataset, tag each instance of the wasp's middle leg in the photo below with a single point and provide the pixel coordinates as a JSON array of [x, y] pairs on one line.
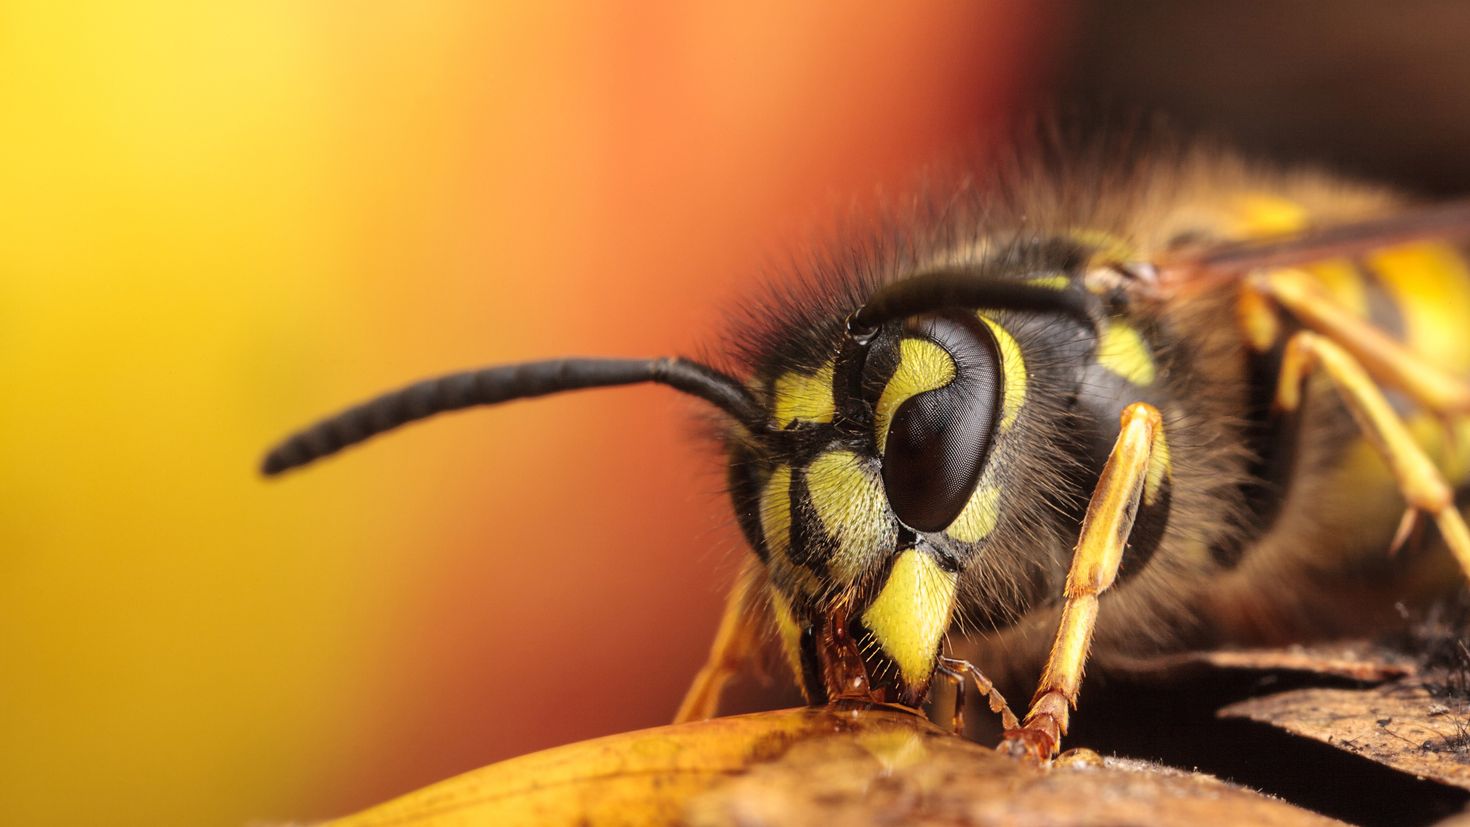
[[1419, 480], [1135, 473], [1382, 357]]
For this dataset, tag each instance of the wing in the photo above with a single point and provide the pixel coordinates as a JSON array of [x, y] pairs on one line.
[[1191, 270]]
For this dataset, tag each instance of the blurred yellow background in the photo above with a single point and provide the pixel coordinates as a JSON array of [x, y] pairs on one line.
[[220, 220]]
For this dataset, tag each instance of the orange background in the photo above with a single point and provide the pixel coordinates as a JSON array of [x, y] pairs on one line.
[[223, 219]]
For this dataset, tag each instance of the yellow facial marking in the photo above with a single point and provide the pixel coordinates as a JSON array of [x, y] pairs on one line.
[[911, 613], [789, 632], [776, 529], [850, 503], [802, 397], [978, 518], [776, 510], [1160, 468], [1124, 352], [1013, 367], [922, 366]]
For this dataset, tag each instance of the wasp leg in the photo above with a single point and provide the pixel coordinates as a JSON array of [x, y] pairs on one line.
[[1133, 469], [958, 682], [1380, 355], [734, 641], [1421, 483], [955, 670]]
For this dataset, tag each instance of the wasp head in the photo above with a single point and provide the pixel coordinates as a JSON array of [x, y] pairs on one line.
[[864, 494], [859, 476]]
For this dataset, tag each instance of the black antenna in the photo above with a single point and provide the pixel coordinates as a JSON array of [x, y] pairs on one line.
[[505, 383], [960, 288]]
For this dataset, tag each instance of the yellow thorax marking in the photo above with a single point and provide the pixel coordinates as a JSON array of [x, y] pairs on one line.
[[850, 503], [979, 516], [776, 529], [922, 366], [804, 397], [1012, 368], [1124, 352], [911, 613], [1261, 214]]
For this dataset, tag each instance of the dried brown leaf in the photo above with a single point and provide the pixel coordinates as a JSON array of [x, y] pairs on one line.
[[1400, 725], [1345, 660], [1355, 660]]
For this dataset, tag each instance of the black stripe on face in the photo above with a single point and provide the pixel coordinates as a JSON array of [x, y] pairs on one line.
[[742, 477], [810, 548]]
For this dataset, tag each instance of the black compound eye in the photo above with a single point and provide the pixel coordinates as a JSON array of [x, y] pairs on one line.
[[937, 439]]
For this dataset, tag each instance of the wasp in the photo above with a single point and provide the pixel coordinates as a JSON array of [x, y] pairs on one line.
[[1112, 408]]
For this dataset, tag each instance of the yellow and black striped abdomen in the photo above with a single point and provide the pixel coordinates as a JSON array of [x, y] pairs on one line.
[[1323, 509], [1419, 294]]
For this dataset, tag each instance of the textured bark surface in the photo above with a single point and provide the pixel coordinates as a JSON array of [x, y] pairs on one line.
[[1354, 660], [1400, 725]]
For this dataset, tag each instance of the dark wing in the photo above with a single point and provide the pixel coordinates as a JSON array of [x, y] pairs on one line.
[[1190, 270]]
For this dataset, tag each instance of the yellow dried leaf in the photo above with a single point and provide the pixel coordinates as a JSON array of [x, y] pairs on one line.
[[815, 766]]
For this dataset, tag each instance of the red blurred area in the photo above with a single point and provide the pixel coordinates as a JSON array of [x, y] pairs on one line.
[[235, 217], [584, 542]]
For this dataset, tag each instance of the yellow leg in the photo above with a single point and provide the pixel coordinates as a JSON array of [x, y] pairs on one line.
[[1380, 355], [734, 641], [1421, 483], [1105, 530]]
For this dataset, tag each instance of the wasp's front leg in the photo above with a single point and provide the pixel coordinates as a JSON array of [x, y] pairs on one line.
[[732, 646], [1135, 473], [956, 671]]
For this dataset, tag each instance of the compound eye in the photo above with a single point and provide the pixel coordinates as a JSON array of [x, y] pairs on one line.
[[935, 419]]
